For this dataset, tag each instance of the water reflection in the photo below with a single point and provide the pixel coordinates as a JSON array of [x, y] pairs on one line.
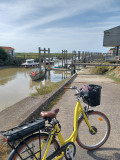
[[6, 75], [16, 84]]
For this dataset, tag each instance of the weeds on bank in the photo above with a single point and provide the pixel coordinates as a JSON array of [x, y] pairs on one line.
[[110, 72], [100, 70], [4, 150], [47, 88], [113, 76]]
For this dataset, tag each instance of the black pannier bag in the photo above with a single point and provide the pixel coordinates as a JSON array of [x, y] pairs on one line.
[[91, 94]]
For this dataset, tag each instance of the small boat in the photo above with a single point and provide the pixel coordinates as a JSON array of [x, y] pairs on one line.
[[30, 63], [55, 59], [51, 62], [59, 66], [37, 74]]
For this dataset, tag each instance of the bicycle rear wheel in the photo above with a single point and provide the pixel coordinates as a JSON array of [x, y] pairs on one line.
[[101, 125], [33, 143]]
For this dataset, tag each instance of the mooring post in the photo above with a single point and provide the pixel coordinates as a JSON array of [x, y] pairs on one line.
[[75, 55], [78, 55], [62, 58], [45, 58], [39, 50], [66, 56], [72, 57], [82, 56], [49, 58], [117, 49]]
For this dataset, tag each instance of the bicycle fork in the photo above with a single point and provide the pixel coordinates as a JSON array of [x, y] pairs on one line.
[[87, 121]]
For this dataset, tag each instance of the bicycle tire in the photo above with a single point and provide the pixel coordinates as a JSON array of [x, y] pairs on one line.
[[85, 138], [33, 143]]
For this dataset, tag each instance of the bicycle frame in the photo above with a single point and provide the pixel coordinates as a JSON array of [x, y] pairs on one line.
[[78, 110]]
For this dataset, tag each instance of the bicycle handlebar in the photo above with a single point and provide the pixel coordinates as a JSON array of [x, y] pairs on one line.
[[78, 92]]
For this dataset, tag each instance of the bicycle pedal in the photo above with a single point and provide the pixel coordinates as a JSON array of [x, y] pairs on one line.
[[70, 151], [64, 148]]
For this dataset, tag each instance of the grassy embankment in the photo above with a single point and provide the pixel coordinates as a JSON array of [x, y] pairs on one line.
[[111, 72]]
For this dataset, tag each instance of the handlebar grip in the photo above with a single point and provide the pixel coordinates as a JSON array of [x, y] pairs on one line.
[[77, 94]]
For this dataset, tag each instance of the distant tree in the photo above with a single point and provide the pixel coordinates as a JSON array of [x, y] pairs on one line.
[[3, 54], [5, 58]]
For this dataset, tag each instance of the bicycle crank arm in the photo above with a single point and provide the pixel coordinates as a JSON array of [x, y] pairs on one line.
[[58, 152]]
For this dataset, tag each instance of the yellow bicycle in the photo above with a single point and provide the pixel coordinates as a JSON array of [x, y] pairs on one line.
[[42, 138]]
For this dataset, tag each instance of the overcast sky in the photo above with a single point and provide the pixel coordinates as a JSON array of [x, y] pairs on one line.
[[57, 24]]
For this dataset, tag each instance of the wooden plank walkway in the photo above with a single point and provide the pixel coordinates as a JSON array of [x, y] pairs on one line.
[[94, 64]]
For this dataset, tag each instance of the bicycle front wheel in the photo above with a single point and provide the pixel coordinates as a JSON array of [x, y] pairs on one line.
[[101, 125], [30, 148]]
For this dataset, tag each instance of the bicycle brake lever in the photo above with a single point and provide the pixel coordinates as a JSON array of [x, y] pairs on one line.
[[73, 87]]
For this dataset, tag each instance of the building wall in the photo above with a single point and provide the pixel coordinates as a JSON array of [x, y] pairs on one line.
[[11, 52]]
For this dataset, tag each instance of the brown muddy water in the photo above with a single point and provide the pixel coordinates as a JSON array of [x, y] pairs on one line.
[[16, 84]]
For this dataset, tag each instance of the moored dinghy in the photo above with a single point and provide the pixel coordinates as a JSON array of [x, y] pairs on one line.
[[37, 74]]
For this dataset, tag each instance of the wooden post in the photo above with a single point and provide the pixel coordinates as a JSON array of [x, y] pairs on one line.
[[78, 55], [62, 58], [45, 58], [75, 55], [49, 57], [39, 57], [66, 56], [82, 56], [72, 57], [85, 57], [117, 49]]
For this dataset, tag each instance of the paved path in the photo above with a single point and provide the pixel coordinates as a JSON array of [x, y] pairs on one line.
[[110, 105]]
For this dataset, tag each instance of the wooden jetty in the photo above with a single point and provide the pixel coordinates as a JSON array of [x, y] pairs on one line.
[[94, 64]]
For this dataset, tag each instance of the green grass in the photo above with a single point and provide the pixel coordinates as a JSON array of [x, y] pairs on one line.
[[47, 88], [100, 70], [112, 76], [36, 55]]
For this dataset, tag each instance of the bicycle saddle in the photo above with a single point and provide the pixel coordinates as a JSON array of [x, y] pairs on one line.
[[49, 114]]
